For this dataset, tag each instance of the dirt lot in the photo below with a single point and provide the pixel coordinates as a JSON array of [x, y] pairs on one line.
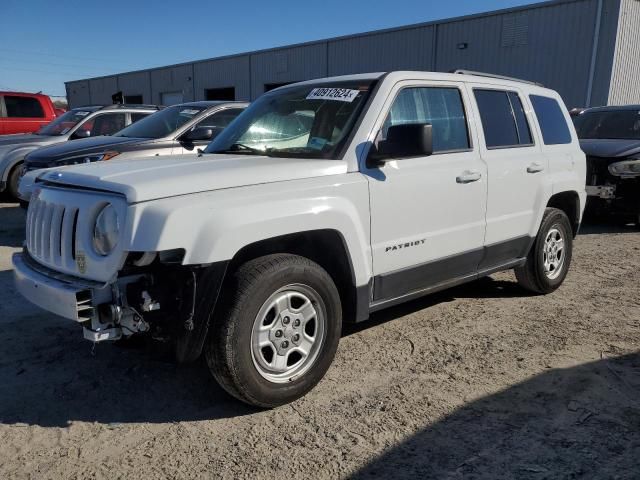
[[479, 382]]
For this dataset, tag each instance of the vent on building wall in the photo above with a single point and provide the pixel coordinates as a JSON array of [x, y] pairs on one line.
[[515, 30]]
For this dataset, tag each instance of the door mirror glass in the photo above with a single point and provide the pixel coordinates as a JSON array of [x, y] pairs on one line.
[[198, 134], [405, 141], [81, 133]]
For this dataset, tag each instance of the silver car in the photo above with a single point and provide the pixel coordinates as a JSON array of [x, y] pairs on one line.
[[77, 123], [174, 130]]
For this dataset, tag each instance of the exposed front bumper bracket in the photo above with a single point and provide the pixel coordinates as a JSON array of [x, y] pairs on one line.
[[607, 192]]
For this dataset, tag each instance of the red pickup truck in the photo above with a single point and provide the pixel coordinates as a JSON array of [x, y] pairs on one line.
[[24, 112]]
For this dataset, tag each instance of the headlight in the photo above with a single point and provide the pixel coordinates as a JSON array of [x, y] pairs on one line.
[[98, 157], [625, 168], [106, 231]]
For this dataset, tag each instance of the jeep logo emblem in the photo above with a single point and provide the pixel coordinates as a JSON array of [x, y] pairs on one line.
[[81, 262]]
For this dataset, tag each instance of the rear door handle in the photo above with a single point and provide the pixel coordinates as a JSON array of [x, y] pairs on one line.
[[468, 177], [535, 168]]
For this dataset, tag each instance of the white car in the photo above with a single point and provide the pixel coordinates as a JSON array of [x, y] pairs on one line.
[[322, 202]]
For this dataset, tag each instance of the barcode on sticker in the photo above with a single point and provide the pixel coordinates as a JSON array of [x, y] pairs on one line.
[[339, 94]]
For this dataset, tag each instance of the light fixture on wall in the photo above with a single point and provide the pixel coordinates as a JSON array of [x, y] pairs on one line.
[[463, 46]]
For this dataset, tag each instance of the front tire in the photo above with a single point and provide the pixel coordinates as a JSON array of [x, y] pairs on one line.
[[14, 181], [277, 331], [549, 259]]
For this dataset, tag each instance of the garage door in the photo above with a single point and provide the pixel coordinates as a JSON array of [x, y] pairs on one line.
[[171, 98]]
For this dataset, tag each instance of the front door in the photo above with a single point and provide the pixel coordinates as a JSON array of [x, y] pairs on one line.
[[427, 213]]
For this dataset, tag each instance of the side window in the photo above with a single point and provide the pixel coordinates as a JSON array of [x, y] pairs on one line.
[[439, 106], [219, 121], [555, 130], [106, 124], [23, 107], [138, 116], [503, 119]]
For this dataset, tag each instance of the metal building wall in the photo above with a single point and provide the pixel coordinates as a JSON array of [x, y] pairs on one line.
[[625, 81], [178, 79], [135, 83], [101, 90], [550, 44], [408, 49], [223, 73], [78, 93], [285, 65], [568, 45]]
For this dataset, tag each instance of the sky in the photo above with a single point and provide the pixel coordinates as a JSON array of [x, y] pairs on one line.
[[44, 43]]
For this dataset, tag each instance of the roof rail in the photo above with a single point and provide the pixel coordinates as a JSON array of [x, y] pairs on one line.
[[129, 105], [491, 75]]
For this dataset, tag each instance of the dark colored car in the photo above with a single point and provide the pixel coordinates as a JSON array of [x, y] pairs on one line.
[[610, 136], [24, 112]]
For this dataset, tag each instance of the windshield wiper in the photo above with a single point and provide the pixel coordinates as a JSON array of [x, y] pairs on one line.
[[241, 148]]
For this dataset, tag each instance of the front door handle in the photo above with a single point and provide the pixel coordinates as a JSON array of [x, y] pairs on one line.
[[535, 168], [468, 177]]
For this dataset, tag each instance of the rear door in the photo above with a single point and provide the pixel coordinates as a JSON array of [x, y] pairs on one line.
[[427, 213], [516, 168]]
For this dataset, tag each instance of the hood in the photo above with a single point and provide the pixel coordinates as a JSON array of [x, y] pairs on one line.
[[47, 155], [17, 139], [13, 142], [152, 178], [610, 148]]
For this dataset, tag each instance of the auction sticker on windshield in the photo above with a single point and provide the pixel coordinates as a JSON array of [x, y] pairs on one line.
[[339, 94], [189, 112]]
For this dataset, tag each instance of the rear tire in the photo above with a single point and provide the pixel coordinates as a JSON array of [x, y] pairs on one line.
[[14, 181], [277, 331], [550, 256]]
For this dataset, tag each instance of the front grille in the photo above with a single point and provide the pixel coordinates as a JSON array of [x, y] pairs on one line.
[[51, 232]]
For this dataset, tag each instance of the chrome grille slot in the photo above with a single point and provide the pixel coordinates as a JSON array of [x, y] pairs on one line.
[[55, 237], [67, 235], [45, 243]]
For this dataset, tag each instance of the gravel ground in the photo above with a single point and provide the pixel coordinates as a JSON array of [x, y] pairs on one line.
[[482, 381]]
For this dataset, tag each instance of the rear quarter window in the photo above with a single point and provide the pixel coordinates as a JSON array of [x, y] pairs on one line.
[[23, 107], [551, 118]]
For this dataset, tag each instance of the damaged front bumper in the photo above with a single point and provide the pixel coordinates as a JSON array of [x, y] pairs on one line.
[[157, 299]]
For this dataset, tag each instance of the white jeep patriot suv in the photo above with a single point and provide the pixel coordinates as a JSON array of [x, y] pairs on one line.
[[324, 201]]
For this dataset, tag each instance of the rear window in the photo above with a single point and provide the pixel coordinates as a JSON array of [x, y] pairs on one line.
[[503, 119], [553, 124], [23, 107]]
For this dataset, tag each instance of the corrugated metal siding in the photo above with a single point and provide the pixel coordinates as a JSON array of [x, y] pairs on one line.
[[287, 65], [625, 81], [550, 45], [135, 83], [410, 49], [605, 53], [222, 73], [172, 79], [78, 93], [101, 90]]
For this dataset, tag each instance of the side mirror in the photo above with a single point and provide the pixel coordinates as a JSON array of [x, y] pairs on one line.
[[198, 134], [404, 141], [80, 133]]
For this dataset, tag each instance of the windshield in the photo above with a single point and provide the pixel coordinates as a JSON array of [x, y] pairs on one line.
[[161, 124], [311, 121], [614, 125], [63, 124]]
